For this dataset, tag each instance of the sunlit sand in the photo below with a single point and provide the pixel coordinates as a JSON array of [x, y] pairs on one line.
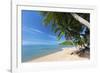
[[64, 55]]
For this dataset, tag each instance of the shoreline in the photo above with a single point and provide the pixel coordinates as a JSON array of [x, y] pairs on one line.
[[64, 55]]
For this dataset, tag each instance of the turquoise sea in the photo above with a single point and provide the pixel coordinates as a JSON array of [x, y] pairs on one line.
[[30, 52]]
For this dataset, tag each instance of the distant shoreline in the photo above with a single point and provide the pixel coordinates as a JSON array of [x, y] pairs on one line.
[[30, 52], [63, 55]]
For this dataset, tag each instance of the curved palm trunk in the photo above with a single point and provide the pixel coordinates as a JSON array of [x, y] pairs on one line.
[[81, 20]]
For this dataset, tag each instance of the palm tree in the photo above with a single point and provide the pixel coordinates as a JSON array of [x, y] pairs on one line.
[[81, 20], [69, 25]]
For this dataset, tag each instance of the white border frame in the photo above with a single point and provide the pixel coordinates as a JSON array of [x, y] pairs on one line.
[[17, 66]]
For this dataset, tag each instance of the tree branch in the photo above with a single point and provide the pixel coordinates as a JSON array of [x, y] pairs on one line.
[[81, 20]]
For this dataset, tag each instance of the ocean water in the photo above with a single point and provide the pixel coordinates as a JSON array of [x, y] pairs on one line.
[[30, 52]]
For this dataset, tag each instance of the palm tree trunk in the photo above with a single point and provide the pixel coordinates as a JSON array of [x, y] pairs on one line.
[[81, 20]]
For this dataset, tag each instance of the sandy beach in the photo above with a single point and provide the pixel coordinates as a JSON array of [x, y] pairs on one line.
[[64, 55]]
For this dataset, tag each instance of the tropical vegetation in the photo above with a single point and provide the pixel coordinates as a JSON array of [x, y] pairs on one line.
[[73, 26]]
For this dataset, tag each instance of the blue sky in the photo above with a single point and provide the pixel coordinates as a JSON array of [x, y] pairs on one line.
[[33, 30]]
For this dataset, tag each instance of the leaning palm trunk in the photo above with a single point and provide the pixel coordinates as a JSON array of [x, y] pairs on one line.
[[81, 20]]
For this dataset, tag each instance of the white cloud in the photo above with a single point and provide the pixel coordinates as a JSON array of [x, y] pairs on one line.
[[32, 30], [51, 36], [36, 30]]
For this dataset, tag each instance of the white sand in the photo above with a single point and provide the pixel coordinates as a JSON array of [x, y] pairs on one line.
[[64, 55]]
